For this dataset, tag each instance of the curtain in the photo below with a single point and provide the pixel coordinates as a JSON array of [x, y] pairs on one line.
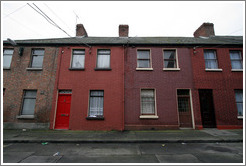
[[103, 59], [236, 61], [210, 59], [96, 103], [148, 101], [7, 57], [239, 101], [29, 103], [78, 61]]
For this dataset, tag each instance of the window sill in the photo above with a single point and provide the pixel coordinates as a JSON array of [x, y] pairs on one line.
[[76, 69], [25, 117], [34, 69], [6, 68], [214, 70], [239, 117], [95, 118], [103, 69], [144, 69], [237, 70], [149, 117], [171, 69]]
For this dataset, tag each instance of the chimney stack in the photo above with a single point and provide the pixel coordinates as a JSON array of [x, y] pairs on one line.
[[205, 30], [123, 30], [80, 30]]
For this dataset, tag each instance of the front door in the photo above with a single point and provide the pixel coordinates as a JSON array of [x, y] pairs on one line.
[[63, 111], [184, 108], [207, 108]]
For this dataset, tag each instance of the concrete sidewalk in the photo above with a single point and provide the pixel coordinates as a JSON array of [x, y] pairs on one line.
[[146, 136]]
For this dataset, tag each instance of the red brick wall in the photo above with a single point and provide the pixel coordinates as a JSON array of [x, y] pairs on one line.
[[223, 85], [18, 78], [165, 83], [81, 82]]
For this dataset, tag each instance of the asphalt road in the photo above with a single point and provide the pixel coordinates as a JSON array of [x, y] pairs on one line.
[[123, 153]]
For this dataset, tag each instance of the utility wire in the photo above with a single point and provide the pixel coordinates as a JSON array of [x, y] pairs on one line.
[[14, 11], [47, 18]]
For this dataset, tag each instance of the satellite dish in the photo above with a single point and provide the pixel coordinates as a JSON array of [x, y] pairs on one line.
[[12, 42]]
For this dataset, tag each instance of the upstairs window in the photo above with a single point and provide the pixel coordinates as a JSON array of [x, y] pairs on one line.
[[37, 58], [103, 59], [170, 59], [239, 102], [7, 58], [29, 101], [143, 59], [96, 103], [210, 59], [78, 59], [236, 60]]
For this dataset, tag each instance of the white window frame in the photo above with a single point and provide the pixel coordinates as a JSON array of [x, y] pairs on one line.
[[213, 69], [150, 59], [151, 116], [9, 65], [176, 59], [72, 59], [102, 68], [241, 59]]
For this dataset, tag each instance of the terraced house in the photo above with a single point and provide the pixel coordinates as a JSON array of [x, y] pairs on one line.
[[124, 83]]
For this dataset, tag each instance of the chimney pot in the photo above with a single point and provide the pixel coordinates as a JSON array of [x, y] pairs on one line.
[[80, 30], [205, 30], [123, 30]]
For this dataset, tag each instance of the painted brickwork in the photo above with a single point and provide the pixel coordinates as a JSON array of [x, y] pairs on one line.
[[165, 84], [18, 78], [223, 83], [80, 82]]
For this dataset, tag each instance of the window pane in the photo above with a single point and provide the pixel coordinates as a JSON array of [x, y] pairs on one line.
[[169, 64], [209, 54], [7, 61], [30, 94], [28, 106], [103, 61], [169, 54], [239, 95], [143, 63], [96, 93], [37, 61], [235, 55], [78, 61], [211, 64], [240, 109], [78, 52], [8, 51], [183, 92], [144, 54], [183, 104], [103, 52], [38, 52], [236, 64]]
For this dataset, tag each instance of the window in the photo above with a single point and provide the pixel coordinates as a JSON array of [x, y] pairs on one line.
[[37, 58], [29, 100], [148, 102], [96, 103], [210, 59], [170, 59], [103, 59], [183, 100], [236, 60], [143, 59], [7, 58], [239, 102], [78, 59]]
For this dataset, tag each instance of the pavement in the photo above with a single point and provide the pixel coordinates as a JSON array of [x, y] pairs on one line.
[[145, 136]]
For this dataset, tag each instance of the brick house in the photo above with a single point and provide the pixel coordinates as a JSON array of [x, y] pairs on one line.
[[218, 79], [124, 83], [28, 81]]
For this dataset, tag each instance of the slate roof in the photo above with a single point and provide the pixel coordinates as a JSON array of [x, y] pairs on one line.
[[215, 40]]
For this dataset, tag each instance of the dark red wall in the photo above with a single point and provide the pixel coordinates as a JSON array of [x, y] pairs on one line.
[[223, 85], [81, 82], [165, 83]]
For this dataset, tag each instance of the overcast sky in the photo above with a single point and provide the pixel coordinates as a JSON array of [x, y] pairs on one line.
[[146, 18]]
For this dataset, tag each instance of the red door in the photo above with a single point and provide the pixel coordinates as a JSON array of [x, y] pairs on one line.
[[63, 111]]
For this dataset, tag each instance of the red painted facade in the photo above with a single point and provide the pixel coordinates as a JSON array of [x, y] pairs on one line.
[[222, 83], [81, 82], [164, 82]]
